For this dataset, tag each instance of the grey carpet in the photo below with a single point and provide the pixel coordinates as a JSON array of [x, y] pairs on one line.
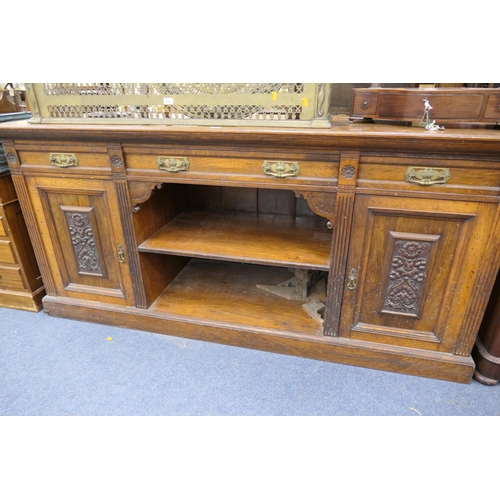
[[55, 367]]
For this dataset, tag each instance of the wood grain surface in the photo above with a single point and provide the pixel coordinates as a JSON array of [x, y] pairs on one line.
[[245, 237]]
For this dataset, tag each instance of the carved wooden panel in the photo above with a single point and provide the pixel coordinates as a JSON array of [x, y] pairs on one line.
[[322, 204], [408, 272], [411, 267], [81, 229], [140, 192], [79, 234]]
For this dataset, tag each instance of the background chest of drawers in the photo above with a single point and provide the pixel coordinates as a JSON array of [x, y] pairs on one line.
[[21, 284]]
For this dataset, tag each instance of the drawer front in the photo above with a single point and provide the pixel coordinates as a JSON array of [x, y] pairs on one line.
[[449, 107], [493, 108], [63, 158], [364, 104], [6, 252], [272, 169], [10, 277], [478, 178]]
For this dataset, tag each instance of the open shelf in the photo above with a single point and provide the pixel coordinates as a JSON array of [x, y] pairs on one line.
[[269, 239], [226, 293]]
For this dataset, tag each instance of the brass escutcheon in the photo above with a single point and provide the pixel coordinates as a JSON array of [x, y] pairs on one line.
[[63, 160], [172, 163], [281, 169], [351, 284], [121, 254], [427, 176]]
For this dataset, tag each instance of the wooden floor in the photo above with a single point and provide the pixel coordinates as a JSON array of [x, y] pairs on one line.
[[242, 236], [227, 292]]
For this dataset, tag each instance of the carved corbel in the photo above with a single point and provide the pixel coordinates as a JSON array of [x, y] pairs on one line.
[[322, 204], [140, 192]]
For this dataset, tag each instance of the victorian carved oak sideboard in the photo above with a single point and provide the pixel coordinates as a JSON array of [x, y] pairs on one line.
[[366, 244]]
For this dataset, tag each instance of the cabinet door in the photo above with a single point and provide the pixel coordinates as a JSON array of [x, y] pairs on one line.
[[412, 270], [80, 227]]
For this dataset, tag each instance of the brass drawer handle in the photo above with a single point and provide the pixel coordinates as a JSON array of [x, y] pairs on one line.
[[427, 176], [63, 160], [281, 169], [172, 163]]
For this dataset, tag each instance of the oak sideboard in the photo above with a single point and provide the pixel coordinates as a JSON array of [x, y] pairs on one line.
[[367, 244]]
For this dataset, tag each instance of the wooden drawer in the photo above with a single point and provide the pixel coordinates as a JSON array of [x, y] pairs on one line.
[[63, 157], [364, 104], [10, 277], [450, 176], [6, 252], [275, 169], [447, 105]]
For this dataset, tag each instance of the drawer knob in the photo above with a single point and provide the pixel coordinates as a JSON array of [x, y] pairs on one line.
[[281, 169], [172, 163], [365, 105], [427, 176], [63, 160]]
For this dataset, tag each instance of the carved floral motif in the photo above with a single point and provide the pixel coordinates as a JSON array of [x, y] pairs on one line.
[[82, 238], [116, 161], [408, 271], [11, 157], [348, 172]]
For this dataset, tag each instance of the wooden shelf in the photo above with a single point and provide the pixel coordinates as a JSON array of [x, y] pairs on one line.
[[276, 240], [226, 293]]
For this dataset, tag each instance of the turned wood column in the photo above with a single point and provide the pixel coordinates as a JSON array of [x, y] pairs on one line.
[[486, 352]]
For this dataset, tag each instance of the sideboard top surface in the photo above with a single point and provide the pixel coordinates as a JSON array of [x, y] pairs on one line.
[[341, 135]]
